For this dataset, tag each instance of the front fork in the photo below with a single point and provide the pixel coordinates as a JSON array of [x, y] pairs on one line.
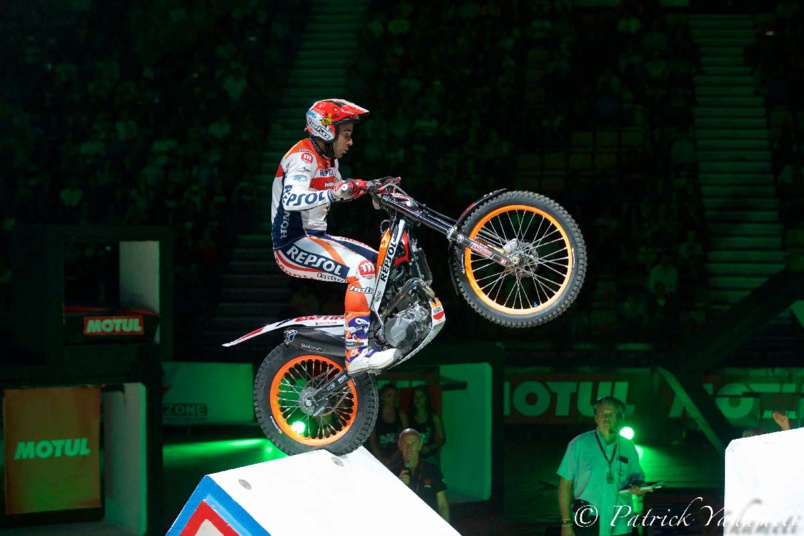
[[491, 253]]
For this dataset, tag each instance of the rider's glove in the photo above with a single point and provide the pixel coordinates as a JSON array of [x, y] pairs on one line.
[[349, 190]]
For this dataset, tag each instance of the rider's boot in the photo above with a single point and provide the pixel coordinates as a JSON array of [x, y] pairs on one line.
[[359, 357]]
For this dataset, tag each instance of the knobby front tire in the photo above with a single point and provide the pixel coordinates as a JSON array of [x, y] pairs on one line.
[[549, 256], [285, 377]]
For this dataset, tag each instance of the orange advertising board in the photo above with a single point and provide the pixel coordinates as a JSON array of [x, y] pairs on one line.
[[52, 441]]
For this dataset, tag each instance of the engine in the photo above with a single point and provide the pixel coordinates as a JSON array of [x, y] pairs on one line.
[[406, 312], [408, 326]]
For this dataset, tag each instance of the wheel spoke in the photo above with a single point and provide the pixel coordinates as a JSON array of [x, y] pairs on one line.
[[500, 235], [527, 297], [482, 263], [497, 279], [299, 381], [542, 249], [505, 303]]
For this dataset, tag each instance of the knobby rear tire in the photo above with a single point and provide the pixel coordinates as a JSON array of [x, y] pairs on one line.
[[287, 370]]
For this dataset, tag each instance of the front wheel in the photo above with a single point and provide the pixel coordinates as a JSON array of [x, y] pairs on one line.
[[548, 260], [287, 378]]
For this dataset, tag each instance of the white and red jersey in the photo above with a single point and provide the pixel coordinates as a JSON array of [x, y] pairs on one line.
[[302, 193]]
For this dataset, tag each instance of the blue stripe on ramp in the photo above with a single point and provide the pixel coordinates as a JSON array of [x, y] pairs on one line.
[[230, 511]]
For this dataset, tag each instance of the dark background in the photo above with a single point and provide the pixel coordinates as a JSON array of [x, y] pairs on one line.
[[130, 113]]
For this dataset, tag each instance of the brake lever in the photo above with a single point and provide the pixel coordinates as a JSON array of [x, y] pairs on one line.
[[384, 182], [389, 180]]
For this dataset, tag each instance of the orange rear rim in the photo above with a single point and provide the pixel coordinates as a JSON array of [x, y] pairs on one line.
[[295, 380], [546, 260]]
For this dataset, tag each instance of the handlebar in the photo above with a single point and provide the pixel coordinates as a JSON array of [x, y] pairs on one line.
[[382, 183]]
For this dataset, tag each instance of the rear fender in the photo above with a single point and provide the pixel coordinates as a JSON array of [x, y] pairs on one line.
[[332, 323]]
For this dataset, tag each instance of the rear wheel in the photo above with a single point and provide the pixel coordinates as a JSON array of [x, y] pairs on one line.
[[548, 260], [287, 378]]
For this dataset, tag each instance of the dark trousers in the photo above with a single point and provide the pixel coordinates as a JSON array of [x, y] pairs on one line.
[[594, 530]]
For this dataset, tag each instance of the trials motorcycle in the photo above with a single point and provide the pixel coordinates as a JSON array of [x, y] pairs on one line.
[[518, 259]]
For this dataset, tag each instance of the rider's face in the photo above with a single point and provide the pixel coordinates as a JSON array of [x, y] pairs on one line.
[[344, 140]]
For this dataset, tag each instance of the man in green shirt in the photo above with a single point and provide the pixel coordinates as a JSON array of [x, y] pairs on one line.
[[597, 466]]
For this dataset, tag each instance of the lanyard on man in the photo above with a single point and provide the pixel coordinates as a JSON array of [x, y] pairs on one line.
[[609, 475]]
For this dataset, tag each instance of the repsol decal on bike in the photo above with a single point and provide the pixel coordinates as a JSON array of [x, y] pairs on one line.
[[385, 259], [305, 258], [385, 269]]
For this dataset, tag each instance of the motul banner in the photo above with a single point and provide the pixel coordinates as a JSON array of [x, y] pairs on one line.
[[745, 396], [52, 437], [567, 398], [114, 325]]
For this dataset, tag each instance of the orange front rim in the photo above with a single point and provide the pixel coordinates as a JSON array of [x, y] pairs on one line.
[[546, 260], [297, 379]]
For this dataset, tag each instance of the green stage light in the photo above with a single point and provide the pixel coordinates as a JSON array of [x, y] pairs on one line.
[[245, 442], [627, 432], [298, 427], [239, 451]]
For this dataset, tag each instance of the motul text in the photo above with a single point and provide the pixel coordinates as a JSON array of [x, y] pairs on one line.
[[51, 448], [113, 325]]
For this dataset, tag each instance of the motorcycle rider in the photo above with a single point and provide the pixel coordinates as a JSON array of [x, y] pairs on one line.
[[306, 184]]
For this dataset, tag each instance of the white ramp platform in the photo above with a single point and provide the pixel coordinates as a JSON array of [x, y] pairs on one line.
[[765, 484], [315, 493]]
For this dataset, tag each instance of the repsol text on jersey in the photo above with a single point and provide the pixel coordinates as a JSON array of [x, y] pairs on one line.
[[312, 260], [303, 199]]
